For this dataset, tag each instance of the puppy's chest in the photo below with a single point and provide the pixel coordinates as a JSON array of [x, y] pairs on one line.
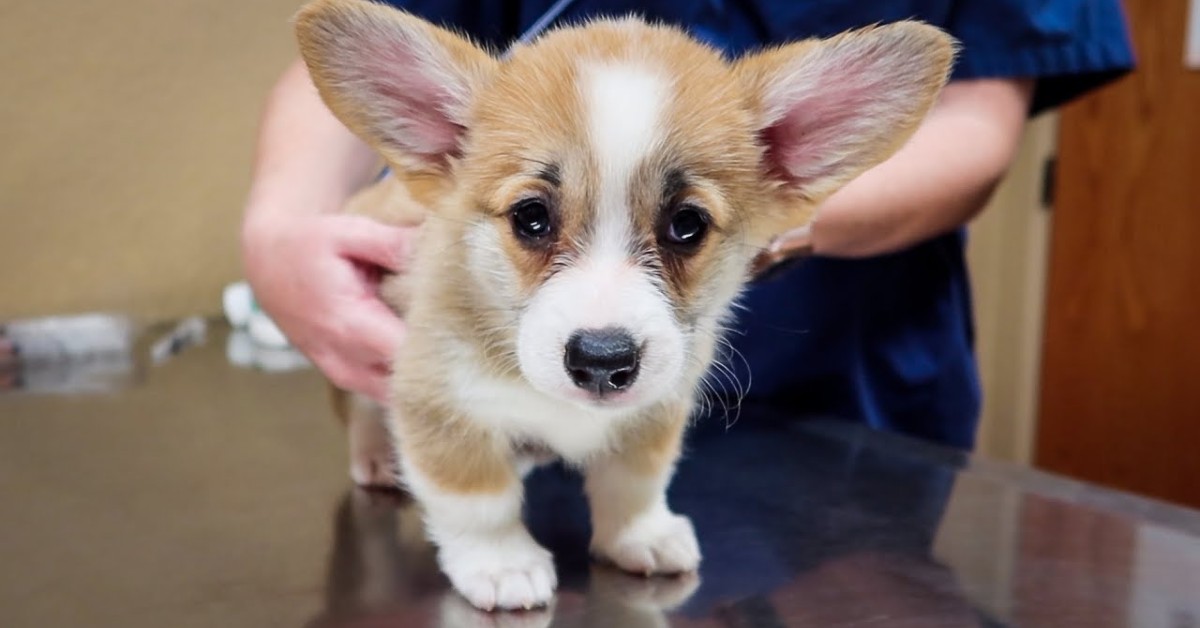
[[532, 418]]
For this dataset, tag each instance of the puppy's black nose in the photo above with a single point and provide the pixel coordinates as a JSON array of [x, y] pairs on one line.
[[602, 360]]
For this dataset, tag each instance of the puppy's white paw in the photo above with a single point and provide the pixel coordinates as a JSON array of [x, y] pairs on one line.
[[501, 572], [656, 543]]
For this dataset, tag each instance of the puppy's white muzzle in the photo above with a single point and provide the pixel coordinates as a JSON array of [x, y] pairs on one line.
[[602, 334]]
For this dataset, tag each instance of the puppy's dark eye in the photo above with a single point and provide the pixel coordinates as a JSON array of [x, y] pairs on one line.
[[687, 227], [531, 219]]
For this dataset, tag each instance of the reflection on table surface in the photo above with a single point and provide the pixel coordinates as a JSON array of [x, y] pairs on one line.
[[205, 494], [818, 524]]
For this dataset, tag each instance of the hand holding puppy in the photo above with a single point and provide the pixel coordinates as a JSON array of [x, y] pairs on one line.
[[317, 275]]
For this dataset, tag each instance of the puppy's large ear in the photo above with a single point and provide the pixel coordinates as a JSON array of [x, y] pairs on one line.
[[401, 84], [830, 109]]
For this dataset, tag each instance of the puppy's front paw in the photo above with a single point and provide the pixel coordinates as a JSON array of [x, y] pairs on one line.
[[658, 543], [508, 572]]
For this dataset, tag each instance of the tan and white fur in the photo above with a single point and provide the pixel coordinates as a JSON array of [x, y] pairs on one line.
[[593, 201]]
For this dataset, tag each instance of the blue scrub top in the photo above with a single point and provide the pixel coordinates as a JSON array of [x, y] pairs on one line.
[[887, 341]]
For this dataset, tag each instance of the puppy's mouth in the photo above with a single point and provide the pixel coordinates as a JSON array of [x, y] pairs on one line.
[[604, 398]]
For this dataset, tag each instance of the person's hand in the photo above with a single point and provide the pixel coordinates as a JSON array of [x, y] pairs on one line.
[[317, 276], [785, 248]]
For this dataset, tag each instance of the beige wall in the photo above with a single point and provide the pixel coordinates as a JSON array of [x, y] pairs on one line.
[[126, 131], [1007, 254]]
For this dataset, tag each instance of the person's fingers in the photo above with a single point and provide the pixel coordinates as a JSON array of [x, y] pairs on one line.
[[337, 370], [364, 346], [371, 379], [366, 240], [364, 378], [795, 243], [377, 385], [374, 331]]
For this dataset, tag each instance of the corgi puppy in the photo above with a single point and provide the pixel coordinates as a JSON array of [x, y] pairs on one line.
[[592, 202]]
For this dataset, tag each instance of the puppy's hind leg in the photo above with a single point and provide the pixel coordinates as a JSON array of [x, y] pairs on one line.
[[373, 460]]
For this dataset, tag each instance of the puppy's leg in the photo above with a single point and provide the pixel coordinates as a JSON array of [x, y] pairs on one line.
[[372, 448], [472, 496], [633, 526], [372, 454]]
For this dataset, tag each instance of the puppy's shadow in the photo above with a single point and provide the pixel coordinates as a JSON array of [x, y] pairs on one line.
[[383, 572]]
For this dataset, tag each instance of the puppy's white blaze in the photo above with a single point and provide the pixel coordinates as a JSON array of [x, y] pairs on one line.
[[625, 103]]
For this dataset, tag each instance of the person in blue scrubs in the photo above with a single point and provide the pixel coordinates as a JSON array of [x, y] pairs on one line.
[[875, 327]]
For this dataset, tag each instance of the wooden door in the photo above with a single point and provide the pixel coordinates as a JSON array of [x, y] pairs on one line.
[[1120, 386]]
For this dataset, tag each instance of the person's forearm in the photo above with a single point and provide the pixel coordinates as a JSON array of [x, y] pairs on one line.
[[937, 182], [306, 160]]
